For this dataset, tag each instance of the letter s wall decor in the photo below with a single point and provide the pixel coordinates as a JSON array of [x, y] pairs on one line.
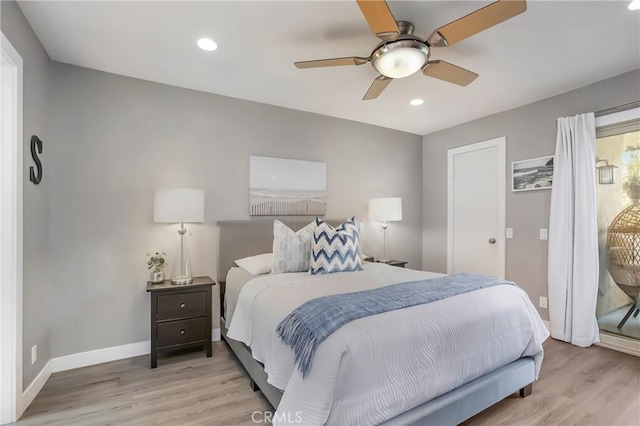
[[36, 144]]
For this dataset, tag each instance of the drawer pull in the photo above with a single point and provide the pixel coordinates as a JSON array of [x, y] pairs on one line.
[[182, 305], [181, 331]]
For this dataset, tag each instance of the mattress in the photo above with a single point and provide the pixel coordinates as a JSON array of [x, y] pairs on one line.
[[375, 368], [236, 279]]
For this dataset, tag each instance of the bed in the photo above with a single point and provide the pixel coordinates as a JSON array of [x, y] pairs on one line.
[[447, 361]]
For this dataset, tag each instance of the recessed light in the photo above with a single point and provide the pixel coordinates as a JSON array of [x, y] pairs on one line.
[[634, 5], [207, 44], [416, 102]]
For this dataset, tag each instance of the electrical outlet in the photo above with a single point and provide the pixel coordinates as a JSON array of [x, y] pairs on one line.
[[543, 302], [544, 234], [509, 233], [34, 354]]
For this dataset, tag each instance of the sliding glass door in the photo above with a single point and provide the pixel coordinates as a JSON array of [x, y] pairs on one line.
[[618, 195]]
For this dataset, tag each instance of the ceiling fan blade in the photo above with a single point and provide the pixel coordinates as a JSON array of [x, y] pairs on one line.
[[476, 22], [443, 70], [376, 88], [333, 62], [379, 18]]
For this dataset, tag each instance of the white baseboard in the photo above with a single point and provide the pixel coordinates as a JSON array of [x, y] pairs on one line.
[[35, 387], [98, 356], [628, 346], [114, 353]]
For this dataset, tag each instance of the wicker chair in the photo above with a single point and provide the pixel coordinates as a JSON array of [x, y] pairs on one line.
[[623, 244]]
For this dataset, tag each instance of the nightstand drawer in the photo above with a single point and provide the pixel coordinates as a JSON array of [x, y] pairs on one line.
[[179, 332], [185, 305]]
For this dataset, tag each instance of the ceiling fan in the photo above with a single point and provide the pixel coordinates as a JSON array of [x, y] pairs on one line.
[[401, 53]]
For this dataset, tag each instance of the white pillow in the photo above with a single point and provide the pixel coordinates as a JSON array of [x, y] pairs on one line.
[[256, 265], [291, 250]]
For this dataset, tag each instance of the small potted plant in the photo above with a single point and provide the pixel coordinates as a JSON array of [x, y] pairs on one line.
[[631, 184], [156, 263]]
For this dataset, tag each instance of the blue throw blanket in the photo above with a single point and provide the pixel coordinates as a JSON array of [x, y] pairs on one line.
[[312, 322]]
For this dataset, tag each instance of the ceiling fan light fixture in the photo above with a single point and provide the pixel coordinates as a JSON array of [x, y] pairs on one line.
[[400, 59], [416, 102], [401, 53]]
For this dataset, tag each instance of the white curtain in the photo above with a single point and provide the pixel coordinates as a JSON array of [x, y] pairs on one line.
[[573, 234]]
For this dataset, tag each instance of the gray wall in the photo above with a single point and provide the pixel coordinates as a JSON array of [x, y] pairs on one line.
[[36, 290], [530, 132], [117, 139]]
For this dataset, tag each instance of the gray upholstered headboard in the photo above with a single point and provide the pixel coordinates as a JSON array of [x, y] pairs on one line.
[[242, 238]]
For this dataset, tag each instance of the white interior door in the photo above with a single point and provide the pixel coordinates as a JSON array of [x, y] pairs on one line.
[[476, 210]]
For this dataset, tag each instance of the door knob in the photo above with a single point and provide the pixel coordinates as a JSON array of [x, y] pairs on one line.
[[492, 240]]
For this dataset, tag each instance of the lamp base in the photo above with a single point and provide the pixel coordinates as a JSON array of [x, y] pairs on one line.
[[181, 280], [181, 274]]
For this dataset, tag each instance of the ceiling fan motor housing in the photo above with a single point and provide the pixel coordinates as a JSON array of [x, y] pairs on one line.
[[405, 27]]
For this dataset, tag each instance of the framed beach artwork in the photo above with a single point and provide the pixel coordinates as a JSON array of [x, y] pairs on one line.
[[281, 187], [532, 174]]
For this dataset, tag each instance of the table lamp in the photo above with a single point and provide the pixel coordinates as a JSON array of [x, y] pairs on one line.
[[179, 205], [385, 210]]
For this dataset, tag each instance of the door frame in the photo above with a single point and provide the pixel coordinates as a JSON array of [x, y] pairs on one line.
[[500, 144], [11, 254]]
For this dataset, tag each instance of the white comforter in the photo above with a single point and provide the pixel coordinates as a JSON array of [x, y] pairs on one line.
[[377, 367]]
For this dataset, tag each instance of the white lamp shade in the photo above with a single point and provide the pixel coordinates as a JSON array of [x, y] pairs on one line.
[[385, 209], [178, 205]]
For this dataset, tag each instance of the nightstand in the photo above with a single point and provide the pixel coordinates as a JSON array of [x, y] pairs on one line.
[[398, 263], [180, 316]]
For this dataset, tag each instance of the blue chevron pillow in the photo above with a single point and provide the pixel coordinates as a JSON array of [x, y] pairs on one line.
[[335, 249]]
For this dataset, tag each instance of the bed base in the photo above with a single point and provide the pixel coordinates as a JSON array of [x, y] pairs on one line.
[[451, 408], [462, 403], [254, 368]]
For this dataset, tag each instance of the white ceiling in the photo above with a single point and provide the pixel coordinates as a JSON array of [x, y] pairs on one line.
[[552, 48]]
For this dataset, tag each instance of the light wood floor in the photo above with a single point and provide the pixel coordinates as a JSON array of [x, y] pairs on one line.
[[593, 386]]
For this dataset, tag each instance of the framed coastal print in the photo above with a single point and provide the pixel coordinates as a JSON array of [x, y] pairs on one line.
[[282, 187], [532, 174]]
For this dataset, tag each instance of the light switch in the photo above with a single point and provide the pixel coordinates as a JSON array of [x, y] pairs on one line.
[[509, 233], [543, 302], [544, 234]]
